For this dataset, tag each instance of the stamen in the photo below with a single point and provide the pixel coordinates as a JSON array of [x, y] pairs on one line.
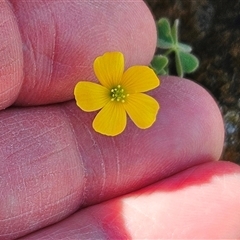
[[118, 93]]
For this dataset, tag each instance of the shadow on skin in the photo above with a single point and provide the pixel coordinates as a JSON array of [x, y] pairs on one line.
[[190, 204]]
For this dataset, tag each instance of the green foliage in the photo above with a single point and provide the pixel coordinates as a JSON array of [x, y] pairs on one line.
[[159, 65], [168, 40]]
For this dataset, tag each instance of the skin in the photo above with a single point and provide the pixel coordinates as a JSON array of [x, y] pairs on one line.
[[60, 179]]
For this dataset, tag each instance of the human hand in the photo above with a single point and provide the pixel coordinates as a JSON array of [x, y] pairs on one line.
[[55, 167]]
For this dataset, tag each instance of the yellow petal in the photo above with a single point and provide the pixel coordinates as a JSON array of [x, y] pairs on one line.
[[109, 69], [111, 120], [91, 96], [139, 79], [142, 109]]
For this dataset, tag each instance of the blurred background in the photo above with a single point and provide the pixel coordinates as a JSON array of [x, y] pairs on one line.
[[212, 28]]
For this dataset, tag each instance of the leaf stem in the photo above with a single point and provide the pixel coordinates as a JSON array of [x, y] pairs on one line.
[[168, 52]]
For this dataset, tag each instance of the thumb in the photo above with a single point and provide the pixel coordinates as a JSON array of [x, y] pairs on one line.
[[62, 38]]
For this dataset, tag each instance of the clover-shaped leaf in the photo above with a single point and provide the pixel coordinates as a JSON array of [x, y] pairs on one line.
[[185, 63], [168, 40], [165, 40], [184, 47], [189, 62], [158, 64]]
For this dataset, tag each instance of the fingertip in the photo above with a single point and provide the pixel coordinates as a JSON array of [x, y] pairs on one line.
[[188, 111], [56, 60], [192, 204], [11, 60], [201, 202]]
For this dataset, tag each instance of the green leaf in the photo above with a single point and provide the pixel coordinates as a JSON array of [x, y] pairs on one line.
[[178, 64], [162, 72], [165, 71], [175, 31], [159, 61], [188, 61], [184, 47], [165, 39], [168, 39], [158, 64]]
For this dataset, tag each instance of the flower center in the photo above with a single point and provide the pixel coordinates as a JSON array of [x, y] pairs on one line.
[[118, 94]]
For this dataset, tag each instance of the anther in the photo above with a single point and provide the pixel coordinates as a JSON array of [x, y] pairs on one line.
[[118, 93]]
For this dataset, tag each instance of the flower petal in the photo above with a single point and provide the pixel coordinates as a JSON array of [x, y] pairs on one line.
[[139, 79], [111, 120], [142, 109], [109, 69], [91, 96]]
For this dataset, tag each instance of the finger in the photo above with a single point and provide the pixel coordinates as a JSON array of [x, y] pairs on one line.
[[52, 162], [61, 39], [11, 59], [199, 203]]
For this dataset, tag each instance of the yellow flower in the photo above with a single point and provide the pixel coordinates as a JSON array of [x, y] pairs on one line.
[[119, 94]]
